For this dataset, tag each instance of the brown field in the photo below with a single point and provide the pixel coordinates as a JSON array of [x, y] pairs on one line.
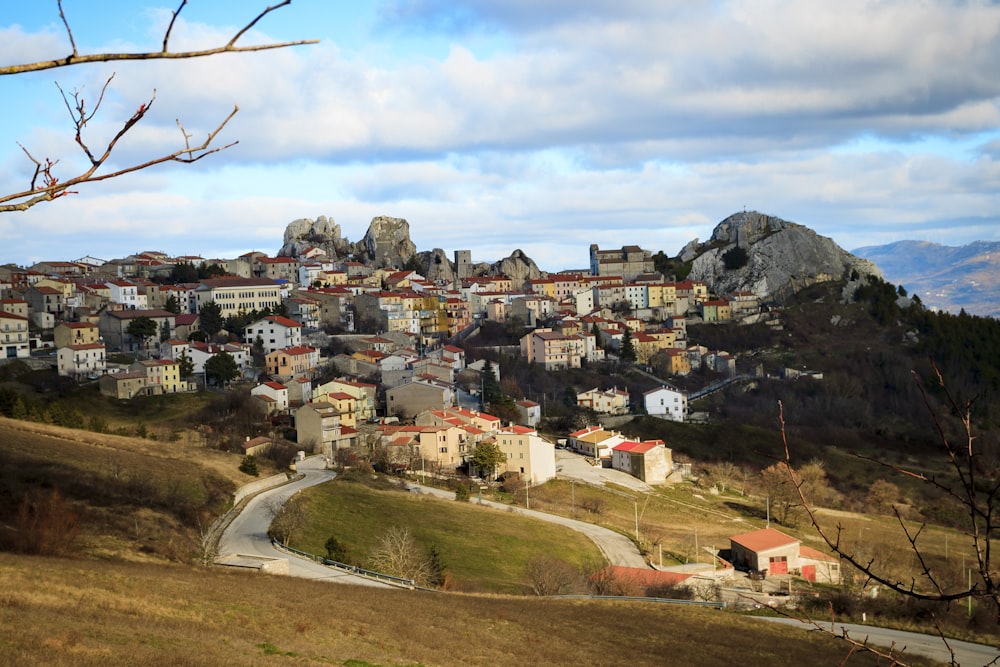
[[66, 612]]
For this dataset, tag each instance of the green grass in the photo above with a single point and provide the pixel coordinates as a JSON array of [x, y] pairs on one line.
[[482, 548]]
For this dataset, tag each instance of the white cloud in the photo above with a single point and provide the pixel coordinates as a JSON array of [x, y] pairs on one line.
[[608, 122]]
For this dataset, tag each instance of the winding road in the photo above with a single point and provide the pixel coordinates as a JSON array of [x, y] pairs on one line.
[[246, 534]]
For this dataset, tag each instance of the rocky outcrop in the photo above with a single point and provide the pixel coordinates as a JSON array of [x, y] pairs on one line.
[[386, 243], [781, 258], [518, 267], [321, 233], [435, 265]]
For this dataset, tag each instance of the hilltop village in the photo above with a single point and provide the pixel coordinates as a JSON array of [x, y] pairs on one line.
[[153, 324]]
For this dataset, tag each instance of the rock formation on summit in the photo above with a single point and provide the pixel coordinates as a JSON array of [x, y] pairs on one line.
[[518, 267], [322, 233], [387, 243], [774, 258]]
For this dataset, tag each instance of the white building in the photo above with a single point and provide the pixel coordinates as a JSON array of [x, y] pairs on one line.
[[276, 332], [80, 361], [666, 402]]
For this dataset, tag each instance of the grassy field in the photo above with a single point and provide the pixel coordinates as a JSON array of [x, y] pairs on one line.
[[483, 549], [66, 612]]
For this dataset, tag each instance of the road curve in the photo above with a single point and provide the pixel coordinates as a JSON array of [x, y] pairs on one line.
[[618, 549], [906, 643], [246, 534]]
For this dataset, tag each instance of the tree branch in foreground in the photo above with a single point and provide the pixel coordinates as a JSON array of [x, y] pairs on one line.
[[75, 58], [46, 186]]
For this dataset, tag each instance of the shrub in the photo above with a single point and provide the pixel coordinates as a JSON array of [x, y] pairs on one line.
[[735, 258], [249, 465]]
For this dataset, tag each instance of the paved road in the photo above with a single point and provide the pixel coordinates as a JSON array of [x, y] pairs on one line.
[[618, 549], [247, 533], [911, 643]]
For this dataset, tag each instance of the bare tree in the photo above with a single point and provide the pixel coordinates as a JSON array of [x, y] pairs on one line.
[[44, 185], [398, 555], [974, 485], [550, 576], [287, 518]]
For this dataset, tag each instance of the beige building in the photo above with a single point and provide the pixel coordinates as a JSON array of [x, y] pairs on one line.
[[319, 430], [595, 442], [87, 360], [76, 333], [14, 336], [291, 361], [527, 453], [235, 295], [651, 461], [551, 350], [440, 447], [605, 401], [162, 375]]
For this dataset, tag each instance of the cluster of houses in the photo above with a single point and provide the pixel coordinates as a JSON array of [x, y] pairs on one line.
[[89, 305], [86, 308]]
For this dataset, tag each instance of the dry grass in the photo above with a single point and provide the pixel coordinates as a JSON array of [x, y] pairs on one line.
[[134, 498], [58, 612]]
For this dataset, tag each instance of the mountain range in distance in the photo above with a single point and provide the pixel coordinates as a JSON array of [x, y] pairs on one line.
[[948, 278]]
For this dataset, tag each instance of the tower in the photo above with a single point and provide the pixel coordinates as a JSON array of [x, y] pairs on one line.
[[463, 264]]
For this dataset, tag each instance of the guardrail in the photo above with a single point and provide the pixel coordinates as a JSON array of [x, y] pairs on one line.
[[629, 598], [353, 569]]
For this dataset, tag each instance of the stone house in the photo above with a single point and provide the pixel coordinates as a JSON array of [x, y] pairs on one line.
[[412, 398], [650, 460]]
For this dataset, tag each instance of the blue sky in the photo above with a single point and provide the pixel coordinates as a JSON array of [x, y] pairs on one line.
[[545, 125]]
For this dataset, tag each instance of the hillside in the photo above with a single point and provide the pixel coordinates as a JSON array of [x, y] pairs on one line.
[[950, 278], [60, 612]]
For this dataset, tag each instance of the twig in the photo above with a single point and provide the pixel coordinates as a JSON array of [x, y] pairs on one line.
[[75, 58]]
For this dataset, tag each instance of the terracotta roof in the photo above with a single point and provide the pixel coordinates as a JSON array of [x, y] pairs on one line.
[[763, 539], [644, 577], [815, 554]]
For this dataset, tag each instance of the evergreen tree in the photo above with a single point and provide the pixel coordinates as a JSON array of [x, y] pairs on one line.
[[491, 388], [210, 315], [222, 369], [185, 365], [172, 305], [628, 347], [249, 465], [142, 328], [487, 457]]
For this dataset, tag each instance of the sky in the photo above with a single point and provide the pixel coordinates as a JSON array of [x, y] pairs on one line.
[[541, 125]]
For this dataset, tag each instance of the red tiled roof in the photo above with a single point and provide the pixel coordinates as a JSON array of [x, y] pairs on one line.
[[763, 539], [815, 554], [283, 321]]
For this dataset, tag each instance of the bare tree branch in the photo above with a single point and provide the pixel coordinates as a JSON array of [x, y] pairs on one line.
[[51, 187], [974, 487], [75, 58]]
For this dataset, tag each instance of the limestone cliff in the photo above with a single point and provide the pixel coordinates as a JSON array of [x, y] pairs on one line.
[[518, 267], [320, 233], [435, 265], [386, 243], [780, 257]]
